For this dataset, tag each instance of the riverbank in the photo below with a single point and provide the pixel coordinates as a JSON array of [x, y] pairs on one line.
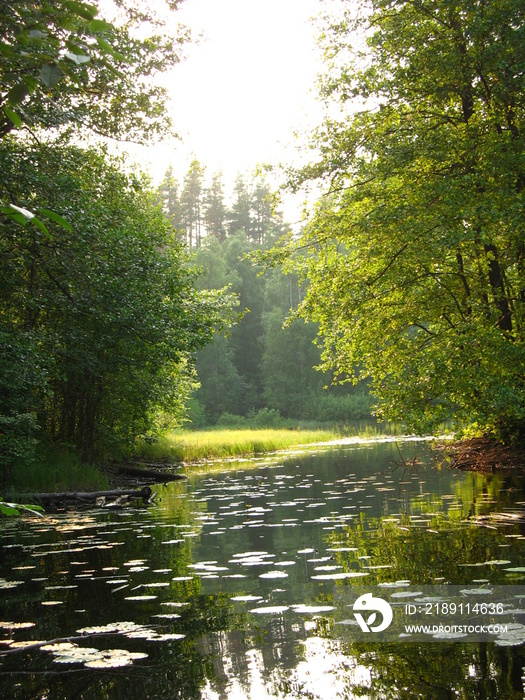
[[58, 470], [486, 455], [184, 451]]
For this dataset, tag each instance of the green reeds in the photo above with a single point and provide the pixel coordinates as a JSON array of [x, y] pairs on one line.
[[191, 446]]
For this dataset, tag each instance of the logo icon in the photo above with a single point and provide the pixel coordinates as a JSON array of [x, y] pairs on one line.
[[367, 603]]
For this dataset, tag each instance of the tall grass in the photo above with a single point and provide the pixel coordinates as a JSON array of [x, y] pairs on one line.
[[56, 470], [190, 446]]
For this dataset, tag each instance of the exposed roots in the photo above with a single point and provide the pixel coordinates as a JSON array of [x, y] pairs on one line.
[[485, 455]]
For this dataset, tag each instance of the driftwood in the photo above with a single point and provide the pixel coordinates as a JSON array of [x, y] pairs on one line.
[[82, 496], [156, 475]]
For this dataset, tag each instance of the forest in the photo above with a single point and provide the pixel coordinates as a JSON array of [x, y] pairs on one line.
[[263, 369], [126, 308]]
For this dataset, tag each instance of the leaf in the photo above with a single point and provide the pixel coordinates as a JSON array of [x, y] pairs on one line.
[[7, 510], [50, 75], [14, 216], [81, 9], [41, 226], [106, 46], [25, 212], [78, 58], [17, 93], [57, 219], [35, 510], [13, 116], [100, 25]]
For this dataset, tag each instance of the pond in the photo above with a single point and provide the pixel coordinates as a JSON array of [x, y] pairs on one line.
[[229, 587]]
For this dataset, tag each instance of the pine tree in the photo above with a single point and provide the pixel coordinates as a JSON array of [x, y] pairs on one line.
[[168, 192], [191, 204], [240, 218], [215, 212]]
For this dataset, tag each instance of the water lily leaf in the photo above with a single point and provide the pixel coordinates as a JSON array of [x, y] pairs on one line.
[[274, 574], [16, 625], [340, 576], [312, 609]]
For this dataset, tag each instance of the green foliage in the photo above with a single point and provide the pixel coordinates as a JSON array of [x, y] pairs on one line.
[[265, 366], [415, 256], [9, 510], [199, 212], [106, 313], [187, 446], [64, 65], [99, 315], [55, 468], [332, 408]]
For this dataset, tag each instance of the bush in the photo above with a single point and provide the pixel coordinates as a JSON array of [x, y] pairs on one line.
[[265, 418], [344, 408], [231, 419]]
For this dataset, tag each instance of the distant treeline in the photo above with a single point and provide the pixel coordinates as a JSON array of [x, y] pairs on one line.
[[264, 369]]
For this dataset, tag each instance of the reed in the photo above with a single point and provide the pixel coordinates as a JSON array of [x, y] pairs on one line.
[[191, 446]]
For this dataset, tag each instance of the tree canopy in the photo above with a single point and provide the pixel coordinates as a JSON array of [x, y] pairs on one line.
[[100, 318], [103, 317], [65, 65], [416, 252]]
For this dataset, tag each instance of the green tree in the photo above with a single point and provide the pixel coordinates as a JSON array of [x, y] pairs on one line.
[[240, 215], [416, 253], [64, 65], [106, 308], [291, 385], [168, 193], [191, 204], [266, 220], [215, 212]]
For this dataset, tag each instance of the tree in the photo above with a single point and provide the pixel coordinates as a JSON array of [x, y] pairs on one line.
[[168, 193], [64, 65], [416, 252], [191, 204], [103, 313], [215, 212], [240, 217], [263, 214]]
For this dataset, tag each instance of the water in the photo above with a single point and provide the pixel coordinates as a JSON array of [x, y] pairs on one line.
[[226, 588]]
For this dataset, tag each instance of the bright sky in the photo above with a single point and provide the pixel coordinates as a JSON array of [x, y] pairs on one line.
[[242, 90]]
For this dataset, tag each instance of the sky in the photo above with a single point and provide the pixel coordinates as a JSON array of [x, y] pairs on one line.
[[243, 88]]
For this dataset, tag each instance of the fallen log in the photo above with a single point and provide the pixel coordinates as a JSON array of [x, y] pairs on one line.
[[145, 493], [156, 475]]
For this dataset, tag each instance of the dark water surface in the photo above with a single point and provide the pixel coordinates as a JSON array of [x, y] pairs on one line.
[[226, 588]]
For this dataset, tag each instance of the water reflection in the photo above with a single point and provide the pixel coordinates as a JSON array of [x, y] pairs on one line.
[[225, 589]]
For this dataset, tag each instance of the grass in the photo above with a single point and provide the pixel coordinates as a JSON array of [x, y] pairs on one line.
[[53, 471], [192, 446], [58, 470]]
